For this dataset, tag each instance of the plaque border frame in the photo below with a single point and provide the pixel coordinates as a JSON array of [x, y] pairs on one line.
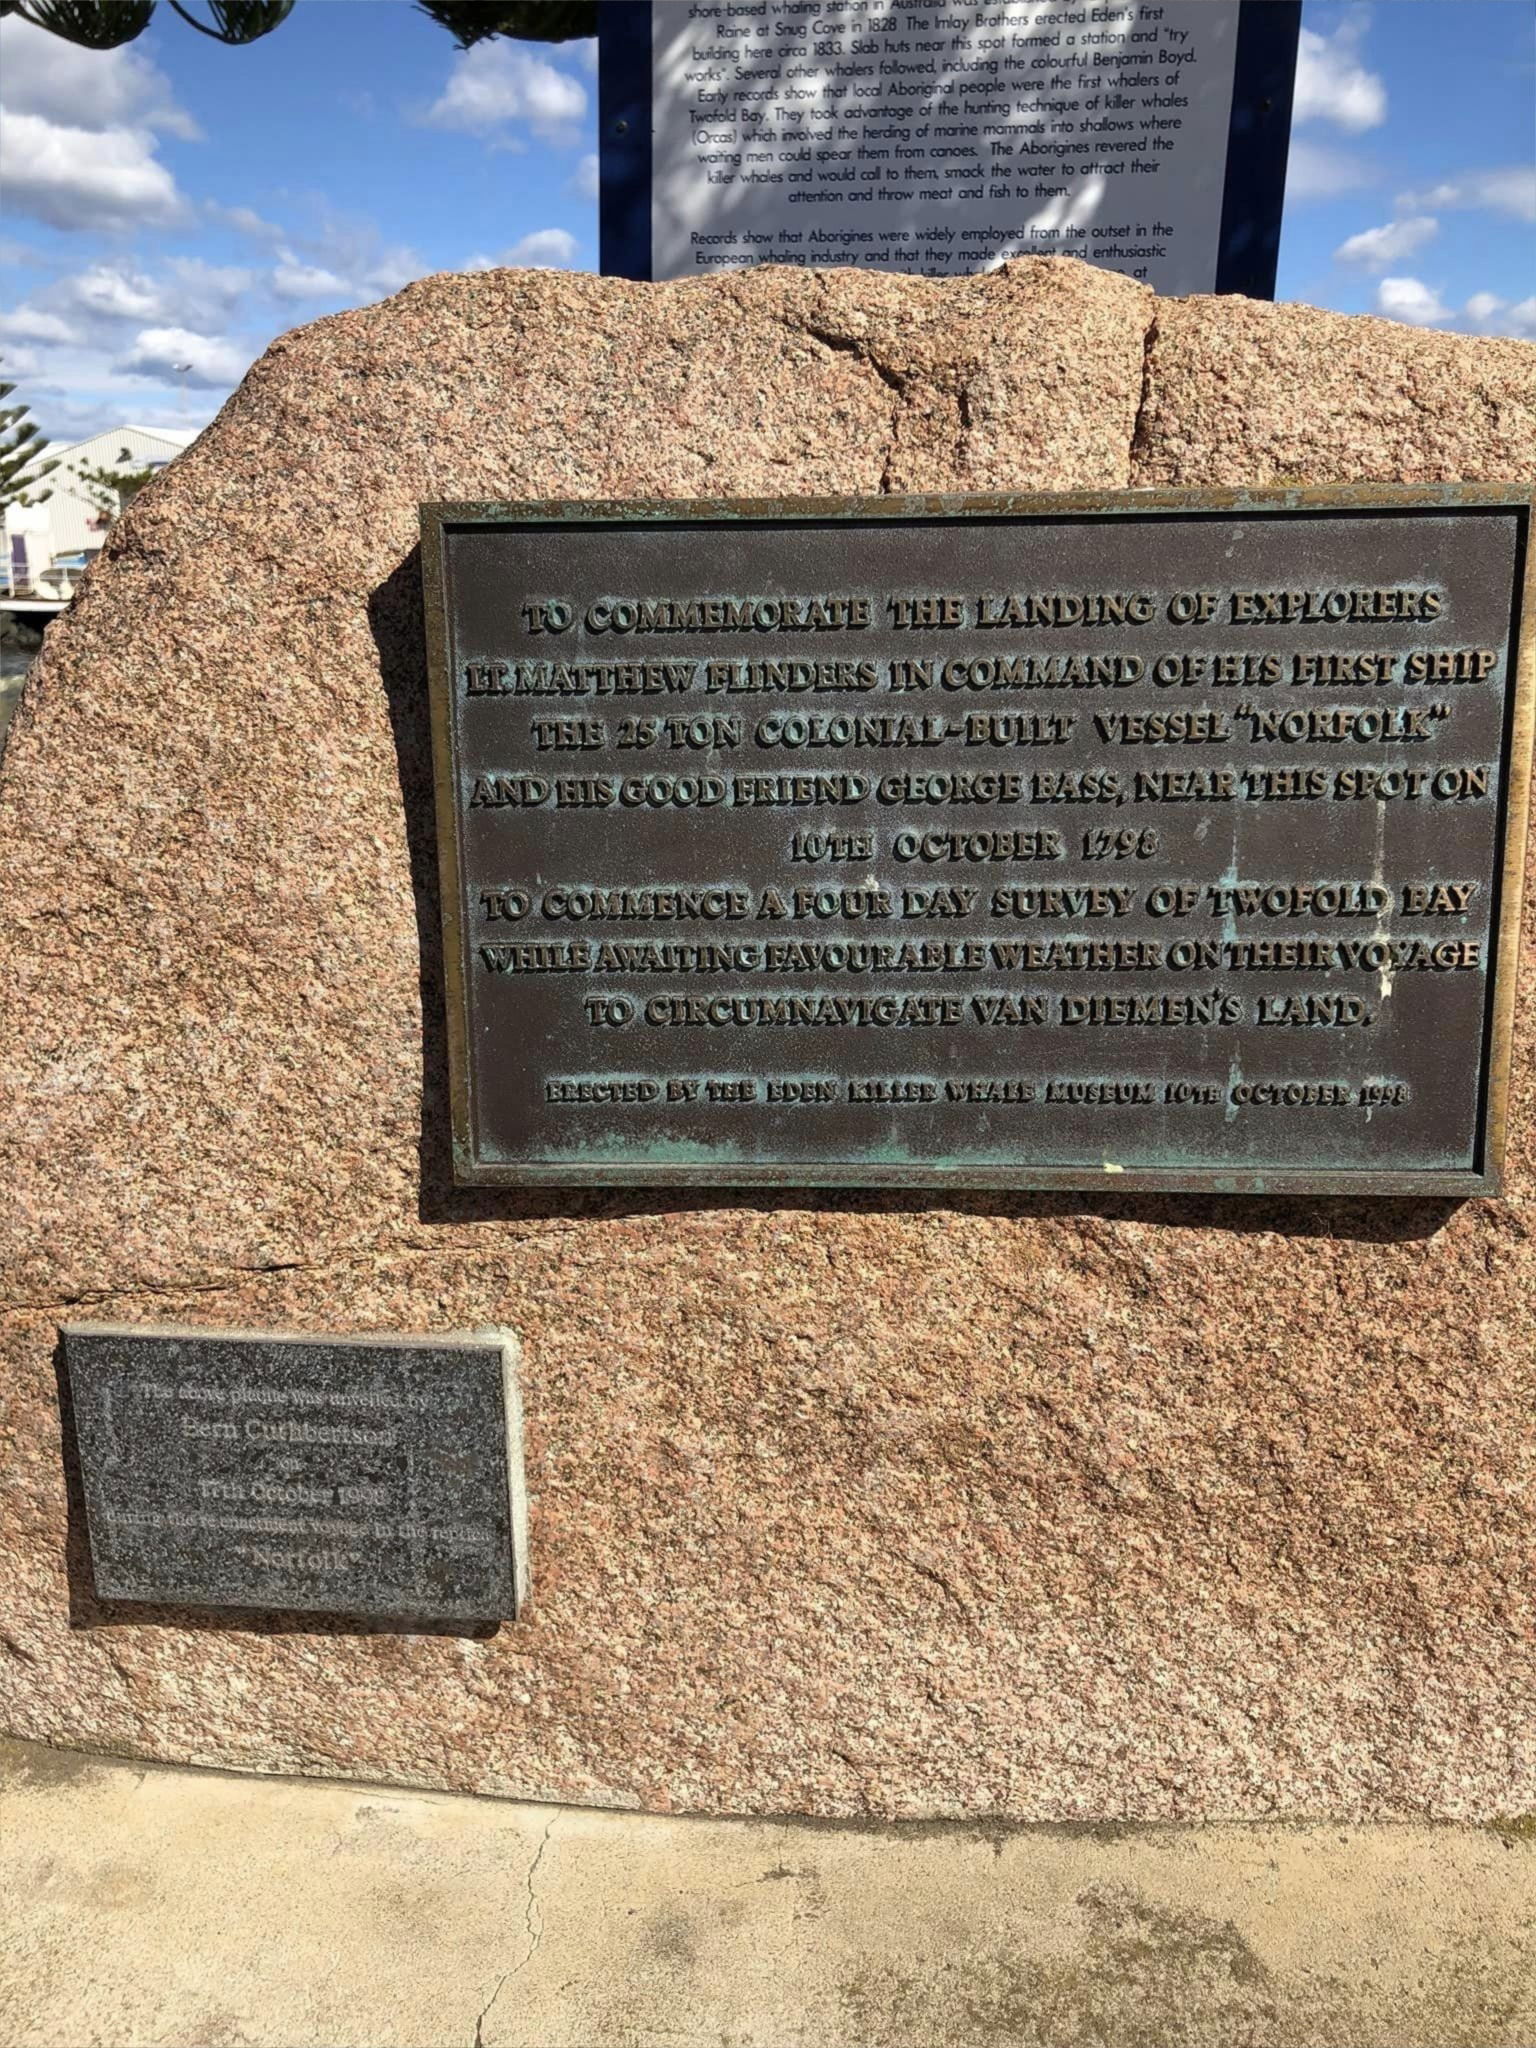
[[1492, 1129]]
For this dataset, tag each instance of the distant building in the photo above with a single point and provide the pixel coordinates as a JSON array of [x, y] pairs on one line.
[[68, 523]]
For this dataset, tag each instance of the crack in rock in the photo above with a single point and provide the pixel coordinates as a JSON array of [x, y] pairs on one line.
[[236, 1277], [1139, 424], [893, 380]]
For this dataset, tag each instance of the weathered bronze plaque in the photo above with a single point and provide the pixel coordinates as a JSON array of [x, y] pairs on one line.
[[1172, 839], [352, 1475]]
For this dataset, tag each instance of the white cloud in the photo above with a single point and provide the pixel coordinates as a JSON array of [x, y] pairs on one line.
[[1493, 315], [188, 293], [245, 220], [584, 178], [160, 352], [544, 249], [30, 323], [1410, 299], [347, 253], [391, 271], [106, 335], [496, 82], [1379, 248], [294, 280], [1406, 298], [1333, 85], [1511, 189], [585, 53], [1315, 170], [77, 139], [215, 285], [73, 178], [77, 88], [108, 403], [113, 292]]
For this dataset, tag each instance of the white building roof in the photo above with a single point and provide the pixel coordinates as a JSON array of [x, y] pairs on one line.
[[68, 519], [169, 437], [180, 437]]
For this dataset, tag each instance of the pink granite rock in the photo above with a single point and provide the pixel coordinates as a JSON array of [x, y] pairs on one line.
[[1241, 392], [1047, 1506]]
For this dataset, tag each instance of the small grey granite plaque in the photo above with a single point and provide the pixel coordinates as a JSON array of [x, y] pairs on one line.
[[376, 1476]]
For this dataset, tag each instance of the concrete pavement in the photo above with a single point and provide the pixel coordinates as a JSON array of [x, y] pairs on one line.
[[162, 1908]]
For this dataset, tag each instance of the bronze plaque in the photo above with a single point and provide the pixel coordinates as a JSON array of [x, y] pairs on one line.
[[1162, 840]]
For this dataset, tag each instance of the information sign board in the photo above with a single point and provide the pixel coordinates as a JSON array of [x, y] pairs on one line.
[[1148, 136]]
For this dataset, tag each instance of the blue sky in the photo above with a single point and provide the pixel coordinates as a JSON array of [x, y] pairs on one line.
[[176, 202]]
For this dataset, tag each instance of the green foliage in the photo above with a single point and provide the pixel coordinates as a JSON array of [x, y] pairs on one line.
[[536, 21], [20, 445], [93, 24], [104, 24], [112, 489], [239, 21]]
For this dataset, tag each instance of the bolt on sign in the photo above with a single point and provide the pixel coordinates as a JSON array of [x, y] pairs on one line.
[[981, 842], [1149, 138]]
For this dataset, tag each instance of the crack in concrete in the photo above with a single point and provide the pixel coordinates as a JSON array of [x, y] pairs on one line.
[[535, 1933], [479, 2040]]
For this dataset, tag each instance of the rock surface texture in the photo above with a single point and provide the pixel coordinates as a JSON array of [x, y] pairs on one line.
[[1047, 1506]]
